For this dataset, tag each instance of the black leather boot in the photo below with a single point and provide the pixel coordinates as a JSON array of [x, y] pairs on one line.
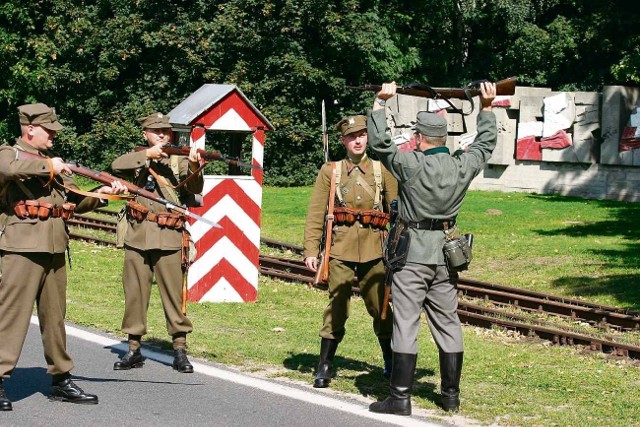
[[325, 367], [399, 401], [5, 404], [133, 359], [65, 390], [180, 361], [387, 355], [450, 371]]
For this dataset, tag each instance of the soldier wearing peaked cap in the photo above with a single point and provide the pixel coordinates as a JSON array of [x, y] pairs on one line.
[[34, 203], [432, 185], [363, 191], [156, 240]]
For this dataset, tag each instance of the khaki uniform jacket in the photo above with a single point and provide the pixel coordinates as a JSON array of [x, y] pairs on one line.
[[146, 234], [432, 184], [355, 242], [34, 235]]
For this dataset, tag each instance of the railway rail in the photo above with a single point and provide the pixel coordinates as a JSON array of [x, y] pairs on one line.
[[481, 304]]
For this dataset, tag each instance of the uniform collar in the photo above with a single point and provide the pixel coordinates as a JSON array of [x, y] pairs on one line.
[[362, 166], [27, 147], [436, 150]]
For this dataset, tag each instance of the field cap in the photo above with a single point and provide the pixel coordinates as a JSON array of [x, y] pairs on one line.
[[351, 124], [39, 115], [156, 120], [430, 124]]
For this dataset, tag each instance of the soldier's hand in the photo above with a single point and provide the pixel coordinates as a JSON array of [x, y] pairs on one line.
[[487, 94], [60, 167], [387, 91], [116, 187], [312, 263], [194, 156], [156, 152]]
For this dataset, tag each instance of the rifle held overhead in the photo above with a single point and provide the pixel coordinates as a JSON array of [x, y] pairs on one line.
[[504, 87]]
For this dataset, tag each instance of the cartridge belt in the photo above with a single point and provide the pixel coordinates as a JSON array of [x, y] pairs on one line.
[[164, 219], [42, 210]]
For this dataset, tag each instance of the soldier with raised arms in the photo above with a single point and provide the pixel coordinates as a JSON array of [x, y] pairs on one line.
[[432, 185]]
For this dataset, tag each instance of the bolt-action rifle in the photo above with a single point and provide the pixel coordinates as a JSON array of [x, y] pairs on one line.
[[503, 87], [322, 274], [106, 178], [506, 87], [178, 150]]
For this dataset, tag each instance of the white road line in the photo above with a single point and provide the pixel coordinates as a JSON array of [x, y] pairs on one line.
[[270, 387]]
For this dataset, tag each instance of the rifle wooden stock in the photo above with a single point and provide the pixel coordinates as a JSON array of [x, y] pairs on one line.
[[385, 301], [503, 87], [175, 150], [107, 179], [322, 275], [185, 292]]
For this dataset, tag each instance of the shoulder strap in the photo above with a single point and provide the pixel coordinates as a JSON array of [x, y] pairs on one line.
[[377, 176], [336, 167]]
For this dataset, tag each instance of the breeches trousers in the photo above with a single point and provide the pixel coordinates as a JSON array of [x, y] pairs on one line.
[[427, 287]]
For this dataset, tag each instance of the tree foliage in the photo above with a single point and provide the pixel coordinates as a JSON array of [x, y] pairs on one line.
[[103, 64]]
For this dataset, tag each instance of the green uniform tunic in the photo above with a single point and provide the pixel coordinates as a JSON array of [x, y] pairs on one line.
[[432, 184], [33, 261], [356, 249], [153, 250]]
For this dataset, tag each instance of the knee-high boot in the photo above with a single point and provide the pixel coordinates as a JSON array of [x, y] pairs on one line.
[[387, 355], [399, 401], [328, 349], [450, 372]]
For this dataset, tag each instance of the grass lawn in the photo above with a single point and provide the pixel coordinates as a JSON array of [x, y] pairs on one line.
[[578, 248]]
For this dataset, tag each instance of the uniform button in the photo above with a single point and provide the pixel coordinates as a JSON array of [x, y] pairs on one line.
[[358, 198]]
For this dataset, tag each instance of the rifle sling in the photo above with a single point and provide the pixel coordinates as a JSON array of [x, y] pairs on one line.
[[163, 181], [94, 194]]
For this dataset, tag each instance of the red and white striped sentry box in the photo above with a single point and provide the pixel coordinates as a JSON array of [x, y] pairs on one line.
[[227, 261]]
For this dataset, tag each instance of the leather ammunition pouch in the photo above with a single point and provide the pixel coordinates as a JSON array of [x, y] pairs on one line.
[[164, 219], [366, 217], [396, 249], [137, 211], [167, 219], [42, 210]]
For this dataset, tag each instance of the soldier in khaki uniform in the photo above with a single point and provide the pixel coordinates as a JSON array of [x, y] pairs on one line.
[[153, 248], [433, 184], [357, 248], [33, 239]]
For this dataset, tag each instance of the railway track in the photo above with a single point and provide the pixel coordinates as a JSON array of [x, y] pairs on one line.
[[481, 304]]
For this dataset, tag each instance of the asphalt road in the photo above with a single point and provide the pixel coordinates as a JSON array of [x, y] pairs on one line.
[[157, 395]]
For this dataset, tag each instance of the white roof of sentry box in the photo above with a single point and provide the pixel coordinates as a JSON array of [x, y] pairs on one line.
[[206, 97]]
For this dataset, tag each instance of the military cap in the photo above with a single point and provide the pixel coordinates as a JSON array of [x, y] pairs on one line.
[[156, 120], [351, 124], [39, 115], [430, 124]]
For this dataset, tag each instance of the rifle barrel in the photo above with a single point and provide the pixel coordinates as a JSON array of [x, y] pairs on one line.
[[174, 150], [107, 178], [503, 87]]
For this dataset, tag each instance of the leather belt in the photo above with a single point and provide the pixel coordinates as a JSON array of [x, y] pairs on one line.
[[432, 224]]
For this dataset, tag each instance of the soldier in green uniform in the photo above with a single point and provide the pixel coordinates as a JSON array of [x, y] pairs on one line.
[[33, 238], [154, 240], [432, 185], [364, 188]]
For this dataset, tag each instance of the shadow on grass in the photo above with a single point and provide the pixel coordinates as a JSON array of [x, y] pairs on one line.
[[623, 222], [367, 378]]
